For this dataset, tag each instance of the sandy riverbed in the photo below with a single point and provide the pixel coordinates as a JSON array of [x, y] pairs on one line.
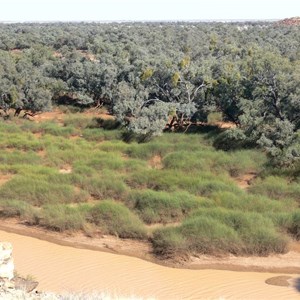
[[61, 268]]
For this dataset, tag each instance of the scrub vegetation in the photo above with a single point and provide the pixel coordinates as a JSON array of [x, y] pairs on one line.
[[179, 183], [186, 135]]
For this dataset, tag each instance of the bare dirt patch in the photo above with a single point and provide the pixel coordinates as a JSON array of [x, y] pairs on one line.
[[55, 115], [58, 116], [65, 169], [225, 125], [245, 180], [5, 178], [155, 162], [276, 263], [41, 153], [38, 135]]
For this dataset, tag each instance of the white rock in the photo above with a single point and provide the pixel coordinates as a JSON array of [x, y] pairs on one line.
[[7, 269], [5, 251], [6, 261]]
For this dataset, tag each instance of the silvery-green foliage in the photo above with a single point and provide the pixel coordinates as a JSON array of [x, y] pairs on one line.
[[138, 113], [281, 142], [151, 120]]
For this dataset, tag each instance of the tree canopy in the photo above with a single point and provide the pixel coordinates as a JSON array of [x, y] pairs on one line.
[[162, 76]]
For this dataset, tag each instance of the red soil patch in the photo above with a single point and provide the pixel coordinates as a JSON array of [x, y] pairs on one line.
[[38, 134], [5, 178], [244, 181], [155, 162], [56, 115], [41, 153], [225, 124]]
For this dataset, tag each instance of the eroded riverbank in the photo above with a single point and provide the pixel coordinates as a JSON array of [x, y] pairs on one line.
[[61, 268], [277, 263]]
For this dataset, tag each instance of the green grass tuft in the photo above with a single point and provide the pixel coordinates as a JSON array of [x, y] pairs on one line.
[[115, 218]]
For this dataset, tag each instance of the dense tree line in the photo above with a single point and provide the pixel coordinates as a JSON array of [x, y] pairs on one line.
[[154, 76]]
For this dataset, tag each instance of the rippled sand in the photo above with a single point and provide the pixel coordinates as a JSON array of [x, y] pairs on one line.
[[59, 268]]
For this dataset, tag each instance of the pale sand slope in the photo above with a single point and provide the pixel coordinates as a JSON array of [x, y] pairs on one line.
[[60, 268]]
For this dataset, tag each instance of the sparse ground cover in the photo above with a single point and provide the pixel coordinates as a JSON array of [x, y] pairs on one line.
[[76, 173]]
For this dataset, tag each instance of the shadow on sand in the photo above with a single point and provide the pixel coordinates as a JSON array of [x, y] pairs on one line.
[[297, 284]]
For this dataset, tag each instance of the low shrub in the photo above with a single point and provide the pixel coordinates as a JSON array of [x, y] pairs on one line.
[[159, 180], [186, 161], [99, 135], [24, 142], [115, 218], [147, 150], [162, 207], [102, 187], [38, 191], [233, 139], [208, 235], [276, 188], [56, 129], [294, 226], [257, 232], [19, 157], [79, 121], [108, 124], [113, 146], [236, 163], [196, 235], [103, 160], [168, 242], [61, 218], [254, 203], [14, 208]]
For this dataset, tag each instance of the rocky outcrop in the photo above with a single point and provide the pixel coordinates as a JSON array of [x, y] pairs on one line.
[[6, 261], [16, 288]]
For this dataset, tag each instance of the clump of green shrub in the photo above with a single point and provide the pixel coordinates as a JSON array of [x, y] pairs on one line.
[[287, 222], [294, 226], [21, 141], [258, 233], [61, 218], [162, 207], [186, 161], [39, 192], [19, 157], [196, 235], [57, 130], [276, 188], [104, 160], [147, 150], [115, 218], [14, 208], [102, 187], [79, 121], [200, 184], [216, 230], [254, 203]]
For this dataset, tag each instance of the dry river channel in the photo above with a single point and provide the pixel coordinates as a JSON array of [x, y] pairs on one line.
[[66, 269]]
